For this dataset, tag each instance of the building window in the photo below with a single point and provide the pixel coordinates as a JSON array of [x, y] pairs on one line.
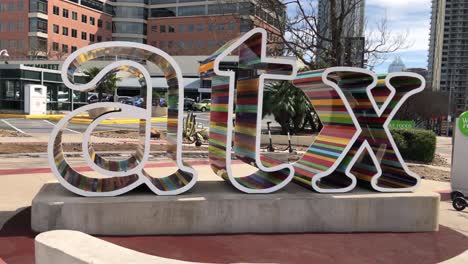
[[56, 29], [108, 25], [37, 6], [181, 28], [200, 27], [55, 46], [20, 6], [20, 44], [162, 28], [20, 26], [99, 38], [171, 29], [64, 48], [154, 28], [74, 33], [181, 44], [65, 31], [211, 27], [221, 27], [163, 12], [12, 26], [65, 13], [83, 36], [74, 15], [37, 25], [92, 21], [99, 23], [210, 44], [56, 10], [232, 26], [200, 44], [84, 19], [3, 26], [191, 28], [191, 10], [91, 37], [73, 49], [12, 44], [11, 7]]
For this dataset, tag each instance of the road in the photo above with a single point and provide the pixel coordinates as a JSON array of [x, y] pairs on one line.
[[39, 126]]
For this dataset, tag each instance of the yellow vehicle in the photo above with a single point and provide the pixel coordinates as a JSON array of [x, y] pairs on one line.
[[204, 105]]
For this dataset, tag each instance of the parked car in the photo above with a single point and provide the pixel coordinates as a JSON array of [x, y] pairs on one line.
[[188, 103], [136, 101], [204, 105], [92, 98], [122, 99]]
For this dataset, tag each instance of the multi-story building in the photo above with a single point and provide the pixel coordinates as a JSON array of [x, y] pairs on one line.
[[448, 51], [352, 36], [38, 29]]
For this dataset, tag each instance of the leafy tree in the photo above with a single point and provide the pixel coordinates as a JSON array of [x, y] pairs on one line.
[[109, 85]]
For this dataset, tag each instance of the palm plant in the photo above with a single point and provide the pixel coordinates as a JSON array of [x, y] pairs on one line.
[[290, 107], [109, 85]]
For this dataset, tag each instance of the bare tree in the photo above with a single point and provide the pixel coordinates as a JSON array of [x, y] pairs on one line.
[[423, 106], [326, 44]]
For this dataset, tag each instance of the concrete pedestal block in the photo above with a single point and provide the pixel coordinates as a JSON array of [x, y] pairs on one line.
[[214, 207]]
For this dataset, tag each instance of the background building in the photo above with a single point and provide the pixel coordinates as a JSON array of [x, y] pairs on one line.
[[352, 32], [39, 29], [396, 66], [448, 51]]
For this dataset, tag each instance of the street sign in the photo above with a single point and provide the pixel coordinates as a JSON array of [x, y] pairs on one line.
[[463, 123], [401, 124]]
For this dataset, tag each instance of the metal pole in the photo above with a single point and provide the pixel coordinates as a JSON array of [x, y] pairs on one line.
[[270, 146], [449, 104]]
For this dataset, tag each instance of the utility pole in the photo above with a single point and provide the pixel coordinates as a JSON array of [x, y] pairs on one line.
[[449, 102]]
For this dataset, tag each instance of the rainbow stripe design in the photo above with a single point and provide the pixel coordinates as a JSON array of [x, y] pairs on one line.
[[120, 176], [248, 94], [379, 166], [355, 145], [336, 137]]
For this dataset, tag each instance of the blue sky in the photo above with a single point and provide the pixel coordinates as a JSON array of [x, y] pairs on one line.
[[404, 15]]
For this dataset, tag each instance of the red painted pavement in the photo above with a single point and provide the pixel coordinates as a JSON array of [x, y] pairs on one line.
[[17, 246]]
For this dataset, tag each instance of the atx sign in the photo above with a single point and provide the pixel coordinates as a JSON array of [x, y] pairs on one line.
[[354, 147]]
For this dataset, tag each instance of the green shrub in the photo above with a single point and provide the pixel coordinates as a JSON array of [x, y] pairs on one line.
[[415, 144]]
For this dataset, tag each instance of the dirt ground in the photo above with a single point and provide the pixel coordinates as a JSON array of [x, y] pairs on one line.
[[426, 172], [19, 148], [124, 134], [11, 133], [429, 173]]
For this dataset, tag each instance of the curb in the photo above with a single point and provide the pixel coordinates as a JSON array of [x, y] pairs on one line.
[[82, 119]]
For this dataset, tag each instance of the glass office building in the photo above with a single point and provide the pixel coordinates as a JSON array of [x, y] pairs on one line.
[[13, 79]]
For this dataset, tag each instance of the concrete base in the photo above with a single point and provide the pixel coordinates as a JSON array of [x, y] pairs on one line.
[[214, 207]]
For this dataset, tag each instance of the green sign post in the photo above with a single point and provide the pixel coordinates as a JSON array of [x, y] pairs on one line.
[[463, 123]]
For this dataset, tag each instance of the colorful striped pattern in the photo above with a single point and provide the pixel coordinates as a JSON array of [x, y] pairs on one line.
[[336, 134], [246, 112], [354, 85], [84, 182], [171, 182], [394, 175]]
